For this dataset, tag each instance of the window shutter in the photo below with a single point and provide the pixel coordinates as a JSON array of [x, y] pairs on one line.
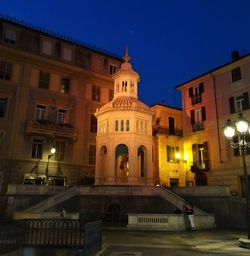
[[205, 146], [190, 90], [192, 117], [168, 153], [194, 150], [203, 113], [201, 88], [231, 105], [246, 101]]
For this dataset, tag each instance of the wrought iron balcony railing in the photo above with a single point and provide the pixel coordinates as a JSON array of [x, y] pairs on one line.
[[51, 129]]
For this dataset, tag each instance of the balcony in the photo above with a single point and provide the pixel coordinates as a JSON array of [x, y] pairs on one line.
[[197, 127], [196, 99], [200, 166], [166, 131], [51, 129]]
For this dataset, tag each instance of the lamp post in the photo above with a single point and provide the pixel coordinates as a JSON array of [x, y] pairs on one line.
[[242, 127], [52, 152]]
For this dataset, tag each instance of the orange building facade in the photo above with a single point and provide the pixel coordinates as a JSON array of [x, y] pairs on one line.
[[50, 88], [207, 102]]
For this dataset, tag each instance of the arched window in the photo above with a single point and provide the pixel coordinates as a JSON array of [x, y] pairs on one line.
[[116, 125], [127, 125], [122, 125]]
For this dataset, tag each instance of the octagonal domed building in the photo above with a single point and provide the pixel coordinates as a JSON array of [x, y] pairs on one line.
[[124, 135]]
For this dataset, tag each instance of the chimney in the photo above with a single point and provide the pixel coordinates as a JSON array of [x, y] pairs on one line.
[[235, 55]]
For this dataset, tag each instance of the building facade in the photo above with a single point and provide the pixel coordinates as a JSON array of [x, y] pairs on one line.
[[50, 88], [124, 136], [172, 164], [207, 102]]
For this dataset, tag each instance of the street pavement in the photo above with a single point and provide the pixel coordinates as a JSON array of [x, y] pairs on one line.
[[192, 243], [147, 243]]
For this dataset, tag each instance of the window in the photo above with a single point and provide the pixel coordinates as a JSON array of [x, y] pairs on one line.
[[196, 92], [197, 118], [67, 54], [47, 47], [3, 107], [5, 70], [37, 149], [239, 103], [127, 125], [96, 93], [171, 126], [111, 94], [62, 116], [60, 150], [116, 125], [236, 74], [93, 123], [124, 86], [44, 80], [200, 156], [171, 151], [112, 69], [40, 112], [29, 41], [122, 125], [10, 37], [92, 149], [65, 85]]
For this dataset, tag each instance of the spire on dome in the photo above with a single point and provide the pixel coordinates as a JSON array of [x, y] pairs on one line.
[[126, 57]]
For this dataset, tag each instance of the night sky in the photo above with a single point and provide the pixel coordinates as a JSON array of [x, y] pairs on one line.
[[170, 41]]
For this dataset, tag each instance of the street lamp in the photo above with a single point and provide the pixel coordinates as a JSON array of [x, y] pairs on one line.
[[242, 127], [52, 152]]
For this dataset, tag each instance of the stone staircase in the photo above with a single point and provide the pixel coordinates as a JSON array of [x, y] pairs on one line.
[[54, 200]]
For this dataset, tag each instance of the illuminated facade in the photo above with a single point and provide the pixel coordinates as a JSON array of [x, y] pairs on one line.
[[124, 136], [207, 102], [50, 88], [172, 164]]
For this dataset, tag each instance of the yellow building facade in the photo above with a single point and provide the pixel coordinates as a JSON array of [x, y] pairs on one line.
[[172, 162]]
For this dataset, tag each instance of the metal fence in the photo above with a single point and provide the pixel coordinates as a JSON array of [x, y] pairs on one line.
[[51, 233]]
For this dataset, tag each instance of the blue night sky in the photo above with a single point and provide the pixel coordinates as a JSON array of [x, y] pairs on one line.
[[170, 42]]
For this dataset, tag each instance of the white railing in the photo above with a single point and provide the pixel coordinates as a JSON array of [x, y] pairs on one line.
[[168, 222]]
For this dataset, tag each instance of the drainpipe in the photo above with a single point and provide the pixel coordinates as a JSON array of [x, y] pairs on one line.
[[217, 118]]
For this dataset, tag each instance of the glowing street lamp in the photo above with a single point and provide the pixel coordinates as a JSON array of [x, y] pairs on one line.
[[52, 152], [242, 127]]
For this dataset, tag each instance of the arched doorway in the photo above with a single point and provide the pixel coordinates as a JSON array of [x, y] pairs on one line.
[[122, 164], [141, 157]]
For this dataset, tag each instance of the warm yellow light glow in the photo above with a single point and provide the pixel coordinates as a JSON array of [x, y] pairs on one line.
[[53, 150], [185, 156], [229, 129], [178, 155], [241, 125]]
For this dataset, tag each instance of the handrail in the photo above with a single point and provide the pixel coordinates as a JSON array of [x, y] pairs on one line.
[[54, 200]]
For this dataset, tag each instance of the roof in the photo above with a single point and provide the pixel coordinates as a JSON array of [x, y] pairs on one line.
[[125, 103], [212, 70], [65, 38], [164, 105]]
